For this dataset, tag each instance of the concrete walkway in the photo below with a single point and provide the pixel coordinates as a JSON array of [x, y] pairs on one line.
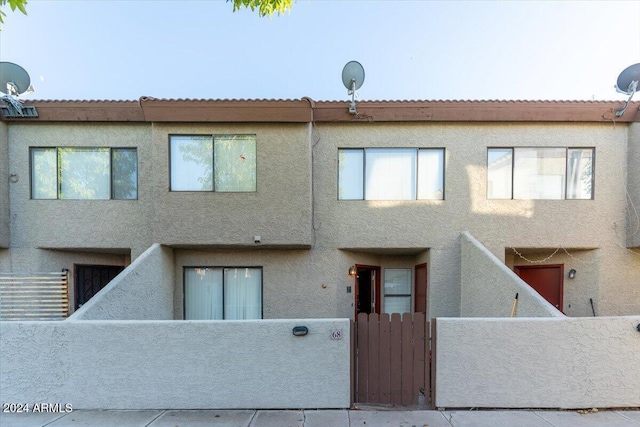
[[323, 418]]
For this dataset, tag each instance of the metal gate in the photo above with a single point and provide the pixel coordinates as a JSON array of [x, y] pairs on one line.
[[391, 359], [90, 279]]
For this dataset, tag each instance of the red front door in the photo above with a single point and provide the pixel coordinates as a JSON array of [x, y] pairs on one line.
[[547, 280]]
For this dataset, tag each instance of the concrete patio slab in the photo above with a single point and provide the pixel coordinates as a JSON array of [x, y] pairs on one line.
[[494, 418], [27, 419], [595, 419], [97, 418], [324, 418], [274, 418], [397, 419], [631, 414], [201, 418]]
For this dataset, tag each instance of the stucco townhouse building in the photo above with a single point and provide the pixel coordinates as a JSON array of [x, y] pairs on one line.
[[270, 209]]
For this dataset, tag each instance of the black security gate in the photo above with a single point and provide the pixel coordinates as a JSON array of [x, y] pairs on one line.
[[89, 279]]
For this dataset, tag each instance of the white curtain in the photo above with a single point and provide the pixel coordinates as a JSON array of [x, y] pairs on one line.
[[350, 174], [242, 293], [431, 174], [222, 293], [390, 174], [203, 293]]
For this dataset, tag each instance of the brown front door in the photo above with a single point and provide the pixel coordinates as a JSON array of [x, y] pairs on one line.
[[421, 289], [547, 280], [367, 295]]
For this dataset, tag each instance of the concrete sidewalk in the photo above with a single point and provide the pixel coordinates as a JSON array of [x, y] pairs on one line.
[[323, 418]]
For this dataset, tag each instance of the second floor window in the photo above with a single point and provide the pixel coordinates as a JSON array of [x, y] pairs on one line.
[[222, 163], [390, 173], [530, 173], [84, 173]]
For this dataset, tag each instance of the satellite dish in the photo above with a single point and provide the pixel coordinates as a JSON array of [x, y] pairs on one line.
[[352, 78], [627, 77], [628, 84], [353, 73], [14, 80]]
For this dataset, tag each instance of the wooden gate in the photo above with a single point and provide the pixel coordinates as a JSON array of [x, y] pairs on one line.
[[391, 359]]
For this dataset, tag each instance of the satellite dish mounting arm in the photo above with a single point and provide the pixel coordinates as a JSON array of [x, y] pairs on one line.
[[352, 92], [10, 98], [633, 87]]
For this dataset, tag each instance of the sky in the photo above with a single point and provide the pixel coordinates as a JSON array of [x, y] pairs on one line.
[[410, 50]]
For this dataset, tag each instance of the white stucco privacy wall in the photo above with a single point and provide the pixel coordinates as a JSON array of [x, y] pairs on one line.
[[143, 291], [176, 364], [489, 287], [538, 363]]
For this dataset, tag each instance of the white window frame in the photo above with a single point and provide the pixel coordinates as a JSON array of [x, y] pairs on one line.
[[410, 295], [174, 180], [58, 172], [564, 192], [415, 171]]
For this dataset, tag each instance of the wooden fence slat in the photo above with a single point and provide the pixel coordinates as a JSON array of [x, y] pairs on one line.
[[396, 359], [418, 355], [385, 359], [363, 357], [374, 341], [407, 360]]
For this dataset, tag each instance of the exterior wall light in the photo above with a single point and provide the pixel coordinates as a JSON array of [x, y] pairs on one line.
[[352, 270], [572, 273]]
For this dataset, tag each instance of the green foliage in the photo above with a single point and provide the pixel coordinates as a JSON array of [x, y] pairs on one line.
[[13, 4], [265, 7]]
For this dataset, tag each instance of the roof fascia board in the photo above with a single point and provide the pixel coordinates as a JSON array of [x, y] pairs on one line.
[[285, 111], [476, 111], [85, 111], [304, 111]]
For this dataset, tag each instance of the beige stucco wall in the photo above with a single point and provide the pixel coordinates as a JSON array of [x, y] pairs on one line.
[[279, 211], [4, 186], [538, 363], [309, 238], [577, 292], [80, 224], [143, 291], [296, 283], [497, 224], [489, 287], [176, 365]]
